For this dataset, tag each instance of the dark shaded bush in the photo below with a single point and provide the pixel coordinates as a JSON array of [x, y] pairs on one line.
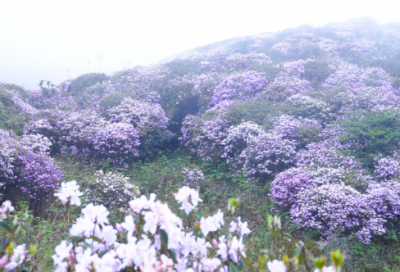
[[189, 105], [316, 72]]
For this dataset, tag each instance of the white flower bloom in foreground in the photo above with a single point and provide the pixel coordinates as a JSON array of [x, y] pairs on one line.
[[326, 269], [141, 249], [97, 214], [69, 191], [62, 253], [18, 257], [212, 223], [139, 204], [189, 199], [5, 208], [210, 265], [236, 249], [129, 224], [276, 266], [151, 222], [240, 227]]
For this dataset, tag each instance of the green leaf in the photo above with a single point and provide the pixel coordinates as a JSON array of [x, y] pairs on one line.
[[164, 237], [96, 239], [233, 267], [5, 226], [172, 255]]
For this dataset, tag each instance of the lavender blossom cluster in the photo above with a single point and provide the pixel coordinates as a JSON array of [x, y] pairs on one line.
[[131, 128], [26, 167]]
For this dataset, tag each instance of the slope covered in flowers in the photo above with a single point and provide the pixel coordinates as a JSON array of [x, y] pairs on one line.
[[310, 115]]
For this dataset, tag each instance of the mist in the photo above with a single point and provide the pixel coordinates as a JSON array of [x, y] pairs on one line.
[[57, 40]]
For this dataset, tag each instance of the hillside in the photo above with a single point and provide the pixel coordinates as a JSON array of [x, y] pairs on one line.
[[302, 124]]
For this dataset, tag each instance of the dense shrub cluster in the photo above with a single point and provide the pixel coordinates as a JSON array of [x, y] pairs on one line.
[[131, 129], [110, 189], [26, 168]]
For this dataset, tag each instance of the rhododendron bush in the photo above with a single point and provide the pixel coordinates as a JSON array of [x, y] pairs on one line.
[[27, 168], [151, 237]]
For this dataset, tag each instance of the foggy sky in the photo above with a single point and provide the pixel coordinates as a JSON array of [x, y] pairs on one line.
[[57, 39]]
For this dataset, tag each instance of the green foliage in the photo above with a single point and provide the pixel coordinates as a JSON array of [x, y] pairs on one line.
[[111, 101], [11, 116], [316, 72], [181, 67], [370, 133], [47, 87], [79, 84], [307, 135], [259, 111], [190, 105], [389, 65]]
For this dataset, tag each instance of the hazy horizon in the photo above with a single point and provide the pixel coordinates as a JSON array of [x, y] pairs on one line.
[[59, 40]]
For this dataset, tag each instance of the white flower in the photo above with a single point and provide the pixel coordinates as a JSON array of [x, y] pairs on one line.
[[210, 265], [240, 226], [188, 197], [129, 225], [97, 214], [151, 220], [236, 249], [5, 208], [84, 260], [212, 223], [276, 266], [69, 191], [165, 264], [62, 251], [107, 263], [82, 227], [223, 248], [139, 204], [326, 269], [18, 257]]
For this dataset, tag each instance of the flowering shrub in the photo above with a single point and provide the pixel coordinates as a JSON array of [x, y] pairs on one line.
[[239, 137], [132, 130], [287, 184], [110, 189], [38, 175], [149, 119], [387, 168], [288, 82], [240, 86], [117, 142], [249, 148], [258, 57], [267, 154], [337, 208], [8, 152], [385, 198], [204, 136], [14, 257], [354, 88], [306, 106], [287, 127], [193, 177], [26, 167], [151, 236]]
